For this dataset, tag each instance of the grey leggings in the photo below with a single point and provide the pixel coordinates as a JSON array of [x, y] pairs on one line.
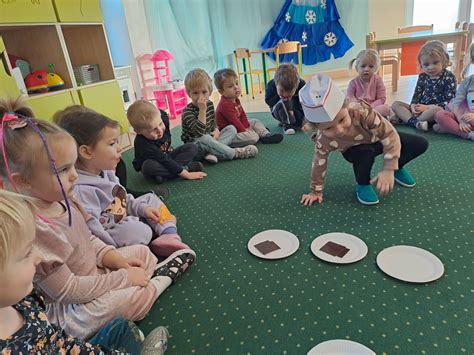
[[403, 111]]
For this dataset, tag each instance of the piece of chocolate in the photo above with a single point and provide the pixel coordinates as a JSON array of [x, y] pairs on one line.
[[334, 249], [266, 247]]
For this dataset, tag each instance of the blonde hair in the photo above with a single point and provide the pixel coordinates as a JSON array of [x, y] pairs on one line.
[[369, 52], [468, 60], [23, 147], [140, 113], [195, 78], [287, 77], [435, 49], [17, 227], [222, 75]]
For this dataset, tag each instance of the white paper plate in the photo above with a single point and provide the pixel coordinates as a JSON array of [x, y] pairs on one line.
[[288, 242], [357, 248], [340, 347], [410, 264]]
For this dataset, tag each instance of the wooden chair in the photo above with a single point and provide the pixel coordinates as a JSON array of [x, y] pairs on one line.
[[411, 29], [245, 55], [410, 66], [465, 44], [386, 60], [287, 48]]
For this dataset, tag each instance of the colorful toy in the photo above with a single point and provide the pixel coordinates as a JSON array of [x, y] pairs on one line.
[[37, 81], [54, 80]]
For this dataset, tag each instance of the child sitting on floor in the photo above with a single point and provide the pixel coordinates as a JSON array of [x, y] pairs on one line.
[[281, 95], [436, 86], [361, 134], [86, 282], [121, 169], [199, 125], [117, 217], [230, 112], [154, 155], [368, 86], [460, 119], [25, 328]]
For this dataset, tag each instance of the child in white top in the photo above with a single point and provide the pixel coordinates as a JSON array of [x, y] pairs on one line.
[[368, 86], [86, 282]]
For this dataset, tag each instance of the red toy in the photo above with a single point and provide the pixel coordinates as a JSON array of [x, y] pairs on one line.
[[37, 81]]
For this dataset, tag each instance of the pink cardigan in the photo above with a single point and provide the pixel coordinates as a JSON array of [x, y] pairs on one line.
[[373, 92]]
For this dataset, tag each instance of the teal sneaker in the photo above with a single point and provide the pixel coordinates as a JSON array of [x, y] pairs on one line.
[[366, 195], [404, 178]]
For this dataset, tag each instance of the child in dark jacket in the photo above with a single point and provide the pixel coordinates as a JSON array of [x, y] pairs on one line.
[[281, 95]]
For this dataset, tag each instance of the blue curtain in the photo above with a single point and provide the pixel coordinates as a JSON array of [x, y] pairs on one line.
[[204, 33]]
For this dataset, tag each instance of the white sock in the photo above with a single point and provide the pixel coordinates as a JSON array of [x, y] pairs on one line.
[[161, 283]]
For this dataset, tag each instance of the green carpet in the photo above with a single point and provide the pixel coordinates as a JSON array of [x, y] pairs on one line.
[[232, 302]]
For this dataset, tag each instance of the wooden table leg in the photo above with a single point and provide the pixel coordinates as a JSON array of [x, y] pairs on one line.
[[457, 57]]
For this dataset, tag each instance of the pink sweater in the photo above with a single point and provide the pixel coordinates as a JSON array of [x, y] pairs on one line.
[[84, 294], [372, 92]]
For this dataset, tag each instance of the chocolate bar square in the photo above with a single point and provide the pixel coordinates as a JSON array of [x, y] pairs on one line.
[[334, 249], [266, 247]]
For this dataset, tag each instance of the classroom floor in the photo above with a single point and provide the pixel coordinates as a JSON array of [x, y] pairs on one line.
[[232, 302]]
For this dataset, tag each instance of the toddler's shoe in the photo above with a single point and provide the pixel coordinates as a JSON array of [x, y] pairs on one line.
[[167, 244], [175, 265], [366, 195], [404, 178], [289, 131], [211, 158], [248, 151], [195, 166], [271, 138], [156, 342], [422, 126]]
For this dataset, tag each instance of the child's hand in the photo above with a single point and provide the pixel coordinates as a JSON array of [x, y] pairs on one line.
[[385, 181], [202, 104], [414, 109], [195, 175], [135, 262], [465, 127], [137, 276], [216, 134], [152, 213], [309, 199], [468, 117]]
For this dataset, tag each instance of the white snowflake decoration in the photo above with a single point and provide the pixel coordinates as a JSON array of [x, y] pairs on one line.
[[323, 4], [287, 17], [330, 39], [310, 17], [304, 36]]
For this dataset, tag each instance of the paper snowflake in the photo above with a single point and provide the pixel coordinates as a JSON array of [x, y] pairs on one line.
[[304, 36], [323, 4], [310, 17], [287, 17], [330, 39]]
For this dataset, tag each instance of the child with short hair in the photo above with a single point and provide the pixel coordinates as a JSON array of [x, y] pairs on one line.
[[460, 119], [436, 86], [368, 86], [361, 134], [199, 126], [230, 112], [121, 169], [86, 282], [154, 154], [117, 218], [25, 328], [281, 95]]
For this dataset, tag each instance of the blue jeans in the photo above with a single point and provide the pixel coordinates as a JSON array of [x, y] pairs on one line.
[[119, 334], [218, 147]]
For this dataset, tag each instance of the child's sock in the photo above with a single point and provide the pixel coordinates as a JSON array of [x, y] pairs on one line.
[[412, 122], [167, 244]]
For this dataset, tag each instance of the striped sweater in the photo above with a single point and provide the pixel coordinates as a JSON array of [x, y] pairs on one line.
[[192, 128]]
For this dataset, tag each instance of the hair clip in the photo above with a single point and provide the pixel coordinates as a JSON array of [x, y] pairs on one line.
[[13, 121]]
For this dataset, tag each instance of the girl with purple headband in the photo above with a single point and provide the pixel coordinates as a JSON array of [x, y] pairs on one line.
[[86, 282]]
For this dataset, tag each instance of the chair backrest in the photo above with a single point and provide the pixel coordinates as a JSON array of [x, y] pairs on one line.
[[369, 39], [147, 75], [288, 47], [411, 29], [242, 53]]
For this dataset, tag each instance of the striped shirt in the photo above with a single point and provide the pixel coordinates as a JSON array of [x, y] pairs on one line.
[[192, 128]]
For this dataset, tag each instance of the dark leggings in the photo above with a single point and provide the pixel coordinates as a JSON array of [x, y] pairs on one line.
[[182, 155], [121, 172], [281, 112], [363, 156]]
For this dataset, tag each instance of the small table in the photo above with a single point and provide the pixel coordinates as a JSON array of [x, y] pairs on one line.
[[456, 36]]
